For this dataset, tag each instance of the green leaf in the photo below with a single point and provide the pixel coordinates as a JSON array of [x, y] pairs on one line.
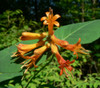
[[9, 69], [87, 31], [96, 84]]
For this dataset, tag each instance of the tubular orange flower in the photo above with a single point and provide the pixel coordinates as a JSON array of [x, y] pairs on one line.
[[37, 54], [52, 40], [50, 20], [63, 63], [59, 42], [24, 48], [31, 62], [42, 49], [77, 48], [54, 48], [29, 47], [31, 36]]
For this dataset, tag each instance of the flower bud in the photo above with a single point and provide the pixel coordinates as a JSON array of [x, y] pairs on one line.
[[54, 48], [24, 48], [32, 36], [42, 49]]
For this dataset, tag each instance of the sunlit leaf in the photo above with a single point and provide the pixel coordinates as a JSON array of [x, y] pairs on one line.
[[8, 67], [87, 31]]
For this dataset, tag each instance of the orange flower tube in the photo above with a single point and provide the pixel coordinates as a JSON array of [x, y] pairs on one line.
[[54, 48], [41, 49], [59, 42], [24, 48], [63, 63], [32, 36], [28, 47], [38, 52]]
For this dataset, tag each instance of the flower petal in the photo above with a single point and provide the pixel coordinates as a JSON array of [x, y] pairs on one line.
[[45, 22], [64, 64], [56, 23], [61, 72], [69, 68], [55, 17], [43, 18], [78, 41], [77, 48], [47, 14]]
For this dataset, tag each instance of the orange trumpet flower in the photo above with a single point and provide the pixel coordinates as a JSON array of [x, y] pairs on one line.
[[37, 53], [52, 40], [50, 20], [31, 36], [63, 63], [77, 48], [24, 48]]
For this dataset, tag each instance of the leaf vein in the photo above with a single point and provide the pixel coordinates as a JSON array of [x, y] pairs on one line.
[[77, 30]]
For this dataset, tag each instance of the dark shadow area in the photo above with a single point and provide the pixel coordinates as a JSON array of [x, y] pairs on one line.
[[16, 80]]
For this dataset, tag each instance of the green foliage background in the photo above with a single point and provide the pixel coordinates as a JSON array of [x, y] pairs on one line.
[[12, 25], [13, 21]]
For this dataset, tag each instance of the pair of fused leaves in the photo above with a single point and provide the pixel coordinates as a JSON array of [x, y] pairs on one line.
[[87, 31]]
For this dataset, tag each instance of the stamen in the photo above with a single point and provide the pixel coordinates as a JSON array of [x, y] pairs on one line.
[[51, 12]]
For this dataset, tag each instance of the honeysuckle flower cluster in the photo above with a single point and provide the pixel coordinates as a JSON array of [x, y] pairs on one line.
[[41, 46]]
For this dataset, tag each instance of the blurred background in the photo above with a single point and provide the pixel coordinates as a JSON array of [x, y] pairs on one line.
[[17, 16], [72, 11], [24, 15]]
